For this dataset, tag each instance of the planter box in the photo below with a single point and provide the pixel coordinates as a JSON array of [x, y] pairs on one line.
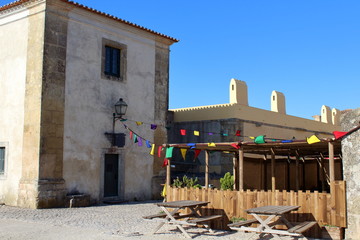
[[336, 233]]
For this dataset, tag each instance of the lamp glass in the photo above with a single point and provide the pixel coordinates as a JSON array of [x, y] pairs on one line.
[[120, 107]]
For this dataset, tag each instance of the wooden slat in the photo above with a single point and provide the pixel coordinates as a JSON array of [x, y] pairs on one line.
[[325, 208], [243, 223], [302, 227], [205, 219]]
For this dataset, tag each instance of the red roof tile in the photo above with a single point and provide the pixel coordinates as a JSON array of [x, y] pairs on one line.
[[19, 2]]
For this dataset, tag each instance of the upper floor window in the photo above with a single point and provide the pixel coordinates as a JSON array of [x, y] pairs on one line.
[[112, 61], [2, 160]]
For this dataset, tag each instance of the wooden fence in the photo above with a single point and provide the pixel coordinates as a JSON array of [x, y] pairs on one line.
[[325, 208]]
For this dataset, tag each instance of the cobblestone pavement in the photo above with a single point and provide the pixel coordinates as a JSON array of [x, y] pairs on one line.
[[103, 222]]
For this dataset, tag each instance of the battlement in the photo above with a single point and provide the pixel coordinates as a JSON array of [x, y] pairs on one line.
[[238, 107]]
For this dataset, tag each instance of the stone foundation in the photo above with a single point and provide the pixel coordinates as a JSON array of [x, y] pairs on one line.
[[42, 194]]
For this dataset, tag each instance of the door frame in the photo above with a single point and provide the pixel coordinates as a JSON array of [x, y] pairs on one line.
[[121, 175]]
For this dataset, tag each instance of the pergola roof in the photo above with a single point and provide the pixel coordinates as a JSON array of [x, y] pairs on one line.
[[279, 148]]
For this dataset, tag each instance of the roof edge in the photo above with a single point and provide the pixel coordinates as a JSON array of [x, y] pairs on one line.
[[78, 5]]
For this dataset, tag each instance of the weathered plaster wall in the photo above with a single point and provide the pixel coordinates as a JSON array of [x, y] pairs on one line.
[[13, 61], [89, 105], [351, 168]]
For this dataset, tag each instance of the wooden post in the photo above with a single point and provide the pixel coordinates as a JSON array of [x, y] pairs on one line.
[[236, 172], [297, 181], [331, 162], [273, 180], [206, 169], [241, 169], [168, 175]]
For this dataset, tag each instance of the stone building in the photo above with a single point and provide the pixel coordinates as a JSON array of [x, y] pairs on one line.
[[237, 121], [351, 163], [63, 66]]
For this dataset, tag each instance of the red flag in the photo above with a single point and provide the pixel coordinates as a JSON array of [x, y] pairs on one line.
[[338, 134], [197, 152], [166, 161], [235, 145], [183, 132], [159, 151], [238, 133], [131, 134]]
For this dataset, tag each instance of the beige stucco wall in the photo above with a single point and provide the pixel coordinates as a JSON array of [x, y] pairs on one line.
[[14, 27], [89, 106], [293, 126]]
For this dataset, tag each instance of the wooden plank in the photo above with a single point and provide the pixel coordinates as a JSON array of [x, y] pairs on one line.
[[273, 180], [204, 219], [241, 169], [243, 223], [302, 227], [331, 162], [206, 169]]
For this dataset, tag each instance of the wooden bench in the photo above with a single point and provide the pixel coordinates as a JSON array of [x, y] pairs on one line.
[[159, 215], [204, 219], [243, 223], [163, 215], [302, 227]]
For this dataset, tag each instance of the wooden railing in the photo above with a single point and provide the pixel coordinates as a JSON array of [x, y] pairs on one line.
[[325, 208]]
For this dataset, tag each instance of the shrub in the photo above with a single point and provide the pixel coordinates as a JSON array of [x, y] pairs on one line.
[[186, 182], [227, 182]]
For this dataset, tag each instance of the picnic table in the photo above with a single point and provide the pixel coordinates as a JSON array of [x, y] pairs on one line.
[[171, 215], [265, 216]]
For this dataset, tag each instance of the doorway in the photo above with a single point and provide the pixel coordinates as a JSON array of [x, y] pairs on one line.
[[111, 175]]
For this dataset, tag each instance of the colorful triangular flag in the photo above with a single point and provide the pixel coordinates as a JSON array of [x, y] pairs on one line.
[[313, 139], [260, 139], [140, 143], [183, 152], [196, 133], [152, 152], [338, 134], [169, 152], [183, 132], [138, 123]]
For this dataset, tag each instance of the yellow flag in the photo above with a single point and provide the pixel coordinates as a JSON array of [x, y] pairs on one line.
[[211, 144], [139, 123], [183, 152], [152, 152], [163, 192], [251, 137], [196, 133], [312, 139]]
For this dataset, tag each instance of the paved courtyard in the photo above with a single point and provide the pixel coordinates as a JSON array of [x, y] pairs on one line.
[[103, 222]]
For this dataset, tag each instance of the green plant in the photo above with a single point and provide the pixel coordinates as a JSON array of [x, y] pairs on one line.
[[186, 182], [227, 182]]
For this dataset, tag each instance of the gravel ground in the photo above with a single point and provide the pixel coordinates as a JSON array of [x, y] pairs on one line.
[[102, 222]]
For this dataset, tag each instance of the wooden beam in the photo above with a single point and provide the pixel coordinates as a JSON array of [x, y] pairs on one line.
[[206, 169], [297, 175], [241, 169], [236, 171], [273, 180], [331, 162], [168, 175]]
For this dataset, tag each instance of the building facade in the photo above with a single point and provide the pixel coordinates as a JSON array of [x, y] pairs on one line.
[[236, 121], [62, 69]]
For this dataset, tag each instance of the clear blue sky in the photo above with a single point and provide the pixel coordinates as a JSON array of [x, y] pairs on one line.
[[307, 49]]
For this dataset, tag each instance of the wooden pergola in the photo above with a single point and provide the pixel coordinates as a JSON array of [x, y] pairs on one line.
[[296, 148]]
